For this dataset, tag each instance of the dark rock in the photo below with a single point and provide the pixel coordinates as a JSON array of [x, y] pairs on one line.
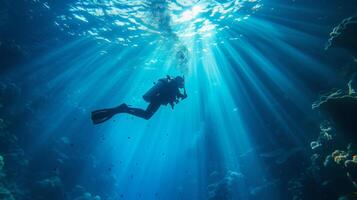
[[342, 109], [344, 35]]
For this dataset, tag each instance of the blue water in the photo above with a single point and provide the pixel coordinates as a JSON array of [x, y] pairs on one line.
[[253, 69]]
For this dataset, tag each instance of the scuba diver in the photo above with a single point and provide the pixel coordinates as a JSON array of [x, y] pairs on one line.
[[165, 91]]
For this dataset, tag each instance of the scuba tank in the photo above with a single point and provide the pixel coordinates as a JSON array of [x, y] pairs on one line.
[[154, 92]]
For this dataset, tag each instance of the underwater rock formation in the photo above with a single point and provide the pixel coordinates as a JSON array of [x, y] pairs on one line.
[[344, 35], [332, 168], [347, 161], [342, 109], [227, 187], [335, 169], [88, 196], [25, 176], [329, 168], [284, 181], [48, 188]]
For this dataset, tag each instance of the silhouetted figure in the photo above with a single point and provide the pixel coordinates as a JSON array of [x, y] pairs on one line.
[[165, 91]]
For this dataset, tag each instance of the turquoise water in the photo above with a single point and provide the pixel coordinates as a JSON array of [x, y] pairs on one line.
[[253, 69]]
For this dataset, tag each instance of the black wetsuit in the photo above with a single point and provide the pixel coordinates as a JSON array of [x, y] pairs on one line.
[[169, 93]]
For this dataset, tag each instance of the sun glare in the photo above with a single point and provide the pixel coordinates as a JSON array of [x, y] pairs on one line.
[[191, 13]]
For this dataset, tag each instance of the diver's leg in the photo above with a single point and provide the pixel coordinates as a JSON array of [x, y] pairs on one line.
[[145, 114], [151, 109]]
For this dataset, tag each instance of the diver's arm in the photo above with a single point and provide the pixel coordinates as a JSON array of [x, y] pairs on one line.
[[184, 93], [182, 96], [168, 77], [172, 104]]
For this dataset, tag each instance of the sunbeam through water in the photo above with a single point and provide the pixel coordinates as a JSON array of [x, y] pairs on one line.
[[248, 99]]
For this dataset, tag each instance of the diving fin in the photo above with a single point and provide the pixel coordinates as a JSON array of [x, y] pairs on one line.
[[100, 116]]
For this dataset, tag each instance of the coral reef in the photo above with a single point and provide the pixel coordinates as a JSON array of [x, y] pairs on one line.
[[333, 160], [331, 171], [331, 165]]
